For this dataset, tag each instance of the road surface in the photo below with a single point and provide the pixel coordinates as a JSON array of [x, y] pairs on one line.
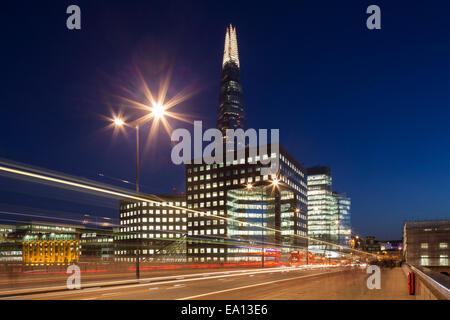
[[250, 284]]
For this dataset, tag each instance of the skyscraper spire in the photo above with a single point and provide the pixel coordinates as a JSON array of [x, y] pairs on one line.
[[231, 113], [230, 53]]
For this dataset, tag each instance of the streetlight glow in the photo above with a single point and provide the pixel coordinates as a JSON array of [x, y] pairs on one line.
[[275, 182], [249, 186], [158, 111], [118, 122]]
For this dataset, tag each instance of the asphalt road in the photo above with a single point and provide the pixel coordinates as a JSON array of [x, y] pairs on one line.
[[258, 284]]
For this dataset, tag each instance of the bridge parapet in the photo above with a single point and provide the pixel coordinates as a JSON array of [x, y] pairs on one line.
[[429, 284]]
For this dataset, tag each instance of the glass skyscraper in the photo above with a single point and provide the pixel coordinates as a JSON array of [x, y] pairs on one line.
[[344, 229], [231, 113], [218, 196], [328, 211]]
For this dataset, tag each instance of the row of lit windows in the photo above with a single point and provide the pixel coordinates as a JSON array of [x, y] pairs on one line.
[[226, 183], [206, 204], [206, 232], [138, 212], [206, 250], [148, 235], [207, 213], [443, 260], [222, 174], [153, 220], [442, 245], [155, 204], [251, 160], [206, 259], [292, 166], [322, 177], [207, 195], [207, 222], [157, 227], [167, 259]]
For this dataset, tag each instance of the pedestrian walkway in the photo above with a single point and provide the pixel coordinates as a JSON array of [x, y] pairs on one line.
[[350, 285]]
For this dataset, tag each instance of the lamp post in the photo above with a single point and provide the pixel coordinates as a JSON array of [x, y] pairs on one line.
[[157, 112]]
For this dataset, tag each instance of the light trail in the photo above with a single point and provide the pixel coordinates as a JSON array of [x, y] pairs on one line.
[[77, 184], [53, 218], [126, 284]]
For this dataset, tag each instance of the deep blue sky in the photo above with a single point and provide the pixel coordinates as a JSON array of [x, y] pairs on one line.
[[373, 105]]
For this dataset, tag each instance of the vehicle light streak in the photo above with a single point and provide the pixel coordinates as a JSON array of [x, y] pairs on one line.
[[119, 194]]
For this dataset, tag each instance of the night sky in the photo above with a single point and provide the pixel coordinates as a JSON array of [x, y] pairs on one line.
[[373, 105]]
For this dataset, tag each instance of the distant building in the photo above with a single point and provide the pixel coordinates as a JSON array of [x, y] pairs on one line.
[[356, 242], [371, 244], [427, 243], [322, 207], [41, 243], [10, 250], [329, 216], [97, 245], [391, 245], [154, 226], [344, 227]]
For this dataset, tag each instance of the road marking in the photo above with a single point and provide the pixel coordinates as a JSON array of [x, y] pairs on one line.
[[154, 288], [178, 285], [252, 275], [253, 285], [108, 294]]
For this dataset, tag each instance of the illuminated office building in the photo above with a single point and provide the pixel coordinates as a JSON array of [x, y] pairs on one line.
[[427, 243], [344, 229], [263, 205], [42, 243], [155, 227], [10, 251], [48, 243], [322, 207], [97, 245], [218, 192]]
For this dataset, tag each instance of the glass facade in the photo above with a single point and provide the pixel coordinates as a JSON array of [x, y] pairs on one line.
[[216, 191], [329, 217], [231, 112], [322, 207], [344, 219]]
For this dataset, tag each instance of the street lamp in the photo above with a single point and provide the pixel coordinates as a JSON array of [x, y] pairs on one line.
[[157, 112], [118, 122]]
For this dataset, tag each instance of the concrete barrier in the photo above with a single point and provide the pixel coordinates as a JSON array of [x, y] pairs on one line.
[[427, 285]]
